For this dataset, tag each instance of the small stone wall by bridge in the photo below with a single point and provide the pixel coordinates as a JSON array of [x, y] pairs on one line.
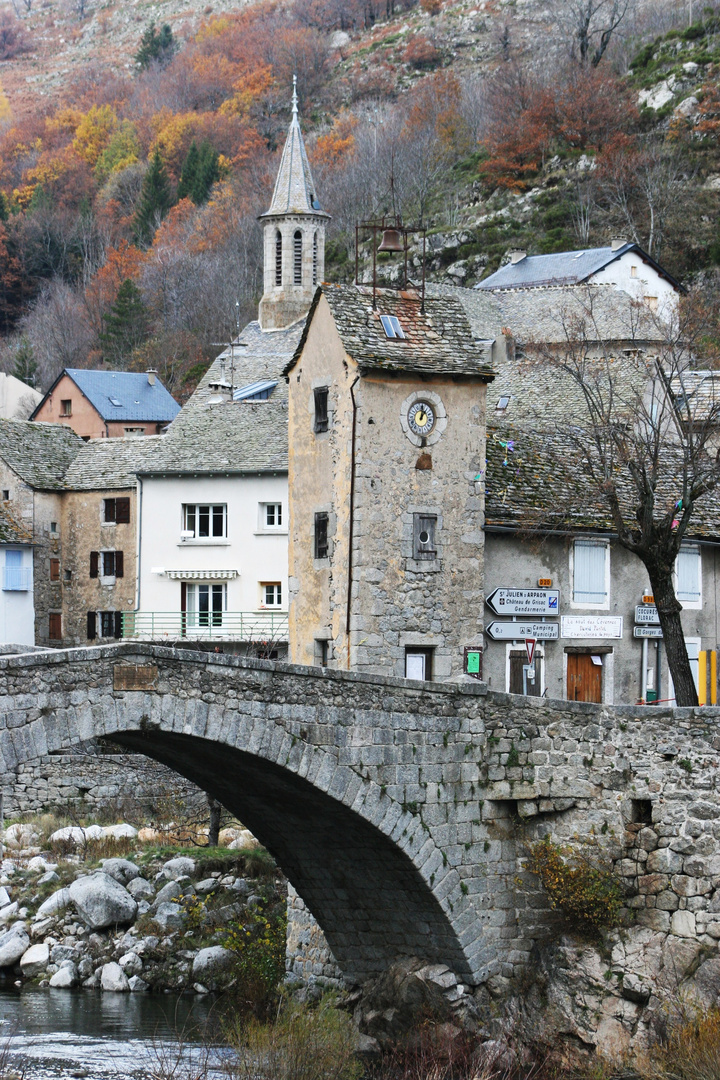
[[393, 806]]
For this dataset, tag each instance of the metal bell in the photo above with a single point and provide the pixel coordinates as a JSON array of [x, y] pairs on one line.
[[391, 241]]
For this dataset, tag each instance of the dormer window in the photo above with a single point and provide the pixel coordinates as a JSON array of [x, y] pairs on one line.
[[503, 403], [392, 327]]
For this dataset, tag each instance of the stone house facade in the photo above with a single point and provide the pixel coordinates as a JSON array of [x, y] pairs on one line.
[[387, 440]]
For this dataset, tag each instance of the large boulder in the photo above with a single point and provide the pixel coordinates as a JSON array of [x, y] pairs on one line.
[[66, 977], [131, 963], [122, 870], [74, 836], [170, 916], [114, 979], [102, 901], [56, 902], [13, 943], [35, 959], [210, 964], [20, 836], [170, 892]]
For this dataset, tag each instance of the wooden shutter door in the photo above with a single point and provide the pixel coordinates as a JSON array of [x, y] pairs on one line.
[[584, 678], [119, 564], [94, 563]]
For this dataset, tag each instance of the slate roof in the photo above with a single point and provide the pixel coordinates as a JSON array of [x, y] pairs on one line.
[[294, 187], [536, 483], [438, 341], [12, 531], [548, 314], [563, 268], [138, 400], [38, 453], [110, 464], [697, 395], [257, 355], [229, 437]]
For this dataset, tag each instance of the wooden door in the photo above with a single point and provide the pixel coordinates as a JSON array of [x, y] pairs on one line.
[[519, 681], [584, 677]]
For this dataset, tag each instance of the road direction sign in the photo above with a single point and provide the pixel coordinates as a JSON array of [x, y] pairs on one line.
[[530, 648], [522, 631], [647, 632], [646, 615], [524, 602]]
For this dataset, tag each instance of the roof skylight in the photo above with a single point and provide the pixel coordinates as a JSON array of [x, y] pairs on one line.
[[392, 327], [503, 403], [114, 401]]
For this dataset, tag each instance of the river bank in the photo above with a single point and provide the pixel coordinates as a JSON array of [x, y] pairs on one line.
[[94, 907]]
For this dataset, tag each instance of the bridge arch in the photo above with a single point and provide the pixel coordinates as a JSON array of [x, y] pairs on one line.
[[298, 756]]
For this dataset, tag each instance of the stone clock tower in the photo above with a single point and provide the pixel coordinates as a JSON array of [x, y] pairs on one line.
[[387, 457], [294, 236]]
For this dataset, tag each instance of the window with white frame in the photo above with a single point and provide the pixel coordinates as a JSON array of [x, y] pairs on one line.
[[271, 593], [204, 521], [205, 604], [591, 573], [688, 576], [271, 515]]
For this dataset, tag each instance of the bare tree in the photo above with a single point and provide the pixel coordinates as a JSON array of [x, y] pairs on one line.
[[641, 189], [592, 24], [644, 440]]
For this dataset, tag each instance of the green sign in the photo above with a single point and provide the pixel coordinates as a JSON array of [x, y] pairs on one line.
[[473, 663]]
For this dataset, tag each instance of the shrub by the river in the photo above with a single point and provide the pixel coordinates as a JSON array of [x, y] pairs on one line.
[[300, 1044], [578, 883], [258, 942], [690, 1052]]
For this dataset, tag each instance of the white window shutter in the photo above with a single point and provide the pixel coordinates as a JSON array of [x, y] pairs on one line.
[[589, 584], [687, 569]]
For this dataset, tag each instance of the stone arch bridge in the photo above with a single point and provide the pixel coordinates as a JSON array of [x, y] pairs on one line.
[[391, 806]]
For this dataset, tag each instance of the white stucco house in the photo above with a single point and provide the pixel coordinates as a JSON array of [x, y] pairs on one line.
[[622, 265], [212, 528], [17, 607]]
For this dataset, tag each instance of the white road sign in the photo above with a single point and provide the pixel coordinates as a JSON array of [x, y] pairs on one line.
[[646, 615], [521, 631], [647, 632], [591, 626], [524, 602]]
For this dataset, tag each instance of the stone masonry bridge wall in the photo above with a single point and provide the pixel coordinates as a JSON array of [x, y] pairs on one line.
[[393, 806]]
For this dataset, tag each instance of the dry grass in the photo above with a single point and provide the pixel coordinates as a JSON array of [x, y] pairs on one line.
[[690, 1052]]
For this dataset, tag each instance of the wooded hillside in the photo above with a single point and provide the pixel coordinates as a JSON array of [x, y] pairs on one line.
[[138, 145]]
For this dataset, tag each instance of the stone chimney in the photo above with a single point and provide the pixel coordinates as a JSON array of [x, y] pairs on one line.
[[517, 256], [617, 242], [151, 374]]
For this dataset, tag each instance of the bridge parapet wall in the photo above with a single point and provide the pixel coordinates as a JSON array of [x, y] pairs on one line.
[[399, 810]]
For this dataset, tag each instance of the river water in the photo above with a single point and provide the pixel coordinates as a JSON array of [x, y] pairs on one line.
[[48, 1033]]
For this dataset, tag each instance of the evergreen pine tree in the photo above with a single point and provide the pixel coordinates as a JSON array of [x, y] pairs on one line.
[[156, 46], [156, 198], [4, 211], [207, 174], [188, 173], [25, 367], [127, 325]]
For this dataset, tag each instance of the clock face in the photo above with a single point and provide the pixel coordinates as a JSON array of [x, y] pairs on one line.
[[421, 418]]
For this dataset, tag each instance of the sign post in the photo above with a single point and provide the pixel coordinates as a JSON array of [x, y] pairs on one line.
[[528, 602], [530, 647]]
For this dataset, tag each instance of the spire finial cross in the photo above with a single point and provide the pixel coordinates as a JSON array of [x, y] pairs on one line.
[[295, 98]]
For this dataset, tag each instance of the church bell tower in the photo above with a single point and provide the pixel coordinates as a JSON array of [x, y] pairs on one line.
[[294, 236]]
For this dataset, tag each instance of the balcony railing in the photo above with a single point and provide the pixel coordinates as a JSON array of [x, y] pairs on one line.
[[260, 626], [16, 579]]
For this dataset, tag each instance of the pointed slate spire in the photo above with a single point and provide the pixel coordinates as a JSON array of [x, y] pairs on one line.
[[294, 188]]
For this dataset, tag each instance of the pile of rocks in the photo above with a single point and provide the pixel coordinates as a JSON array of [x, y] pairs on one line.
[[120, 927]]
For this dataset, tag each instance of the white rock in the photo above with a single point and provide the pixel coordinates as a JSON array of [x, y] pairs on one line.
[[656, 97], [20, 836], [207, 885], [170, 916], [120, 832], [130, 963], [690, 67], [58, 901], [682, 924], [71, 834], [35, 959], [102, 901], [687, 107], [49, 878], [339, 39], [66, 977], [180, 866], [136, 984], [38, 865], [113, 978], [140, 889], [244, 842], [209, 963], [4, 897], [13, 943]]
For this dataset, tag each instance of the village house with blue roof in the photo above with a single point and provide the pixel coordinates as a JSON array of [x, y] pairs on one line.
[[108, 404]]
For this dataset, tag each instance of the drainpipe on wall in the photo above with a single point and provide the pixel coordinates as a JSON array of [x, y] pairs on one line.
[[352, 513], [138, 543]]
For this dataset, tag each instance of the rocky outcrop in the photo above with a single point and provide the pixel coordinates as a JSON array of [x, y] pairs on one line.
[[102, 901]]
